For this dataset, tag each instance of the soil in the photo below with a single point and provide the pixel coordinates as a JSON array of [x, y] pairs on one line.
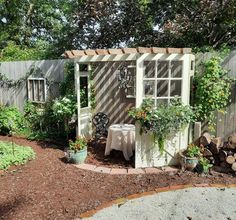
[[49, 188]]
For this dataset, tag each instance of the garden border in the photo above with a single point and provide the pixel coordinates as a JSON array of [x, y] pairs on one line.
[[129, 171], [121, 201]]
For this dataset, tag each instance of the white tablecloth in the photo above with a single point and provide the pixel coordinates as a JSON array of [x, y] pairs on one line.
[[121, 137]]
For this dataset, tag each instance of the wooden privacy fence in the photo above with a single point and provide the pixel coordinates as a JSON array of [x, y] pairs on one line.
[[39, 80], [225, 123]]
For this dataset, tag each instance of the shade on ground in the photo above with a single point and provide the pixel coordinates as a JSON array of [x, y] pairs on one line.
[[190, 203]]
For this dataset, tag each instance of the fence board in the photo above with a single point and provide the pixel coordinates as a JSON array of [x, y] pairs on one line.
[[53, 70]]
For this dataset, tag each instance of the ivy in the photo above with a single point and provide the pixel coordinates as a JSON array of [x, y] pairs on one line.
[[212, 91], [92, 97], [11, 83]]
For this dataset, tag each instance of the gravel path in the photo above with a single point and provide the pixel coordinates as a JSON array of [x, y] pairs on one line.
[[188, 204]]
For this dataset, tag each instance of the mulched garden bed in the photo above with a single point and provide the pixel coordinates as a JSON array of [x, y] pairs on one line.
[[49, 188]]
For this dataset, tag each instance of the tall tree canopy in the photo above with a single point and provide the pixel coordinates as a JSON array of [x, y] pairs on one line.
[[45, 28]]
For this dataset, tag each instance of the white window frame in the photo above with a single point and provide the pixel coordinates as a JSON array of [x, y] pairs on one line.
[[31, 94], [156, 79]]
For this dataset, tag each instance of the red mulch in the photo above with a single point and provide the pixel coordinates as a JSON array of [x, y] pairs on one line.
[[49, 188]]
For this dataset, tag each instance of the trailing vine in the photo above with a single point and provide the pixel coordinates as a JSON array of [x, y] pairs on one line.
[[92, 97], [11, 83], [212, 92]]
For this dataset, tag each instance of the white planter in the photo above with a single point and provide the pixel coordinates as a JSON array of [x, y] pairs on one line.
[[147, 153]]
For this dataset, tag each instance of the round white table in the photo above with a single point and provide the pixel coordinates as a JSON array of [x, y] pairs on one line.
[[121, 137]]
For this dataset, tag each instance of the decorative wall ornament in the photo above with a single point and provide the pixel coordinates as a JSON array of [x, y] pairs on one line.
[[124, 77]]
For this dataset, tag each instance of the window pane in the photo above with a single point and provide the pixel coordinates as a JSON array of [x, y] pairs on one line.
[[176, 69], [175, 88], [149, 88], [162, 69], [149, 69], [84, 91], [162, 88]]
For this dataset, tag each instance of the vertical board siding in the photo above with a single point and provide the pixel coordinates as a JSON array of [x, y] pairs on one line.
[[52, 70], [225, 123], [110, 99]]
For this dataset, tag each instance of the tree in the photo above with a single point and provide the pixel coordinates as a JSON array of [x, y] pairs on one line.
[[197, 23]]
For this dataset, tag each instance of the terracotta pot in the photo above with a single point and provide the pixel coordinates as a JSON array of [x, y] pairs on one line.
[[187, 163]]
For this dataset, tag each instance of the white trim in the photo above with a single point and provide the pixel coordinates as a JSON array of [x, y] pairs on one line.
[[106, 58], [77, 87], [139, 81]]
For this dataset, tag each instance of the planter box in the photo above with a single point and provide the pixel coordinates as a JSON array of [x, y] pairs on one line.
[[147, 153]]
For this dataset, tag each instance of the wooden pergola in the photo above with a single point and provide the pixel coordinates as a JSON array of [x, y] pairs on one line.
[[171, 70]]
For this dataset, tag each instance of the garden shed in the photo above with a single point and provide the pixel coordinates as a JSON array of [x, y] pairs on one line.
[[118, 79]]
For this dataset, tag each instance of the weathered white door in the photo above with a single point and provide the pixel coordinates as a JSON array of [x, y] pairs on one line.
[[84, 126], [161, 79]]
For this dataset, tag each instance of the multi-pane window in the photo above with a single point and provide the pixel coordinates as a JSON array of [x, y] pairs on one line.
[[162, 80], [36, 90]]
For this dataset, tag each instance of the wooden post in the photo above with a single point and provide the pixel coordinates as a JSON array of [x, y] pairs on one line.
[[197, 130], [77, 87]]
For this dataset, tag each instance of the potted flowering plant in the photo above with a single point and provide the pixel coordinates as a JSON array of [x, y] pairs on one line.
[[77, 151], [189, 158]]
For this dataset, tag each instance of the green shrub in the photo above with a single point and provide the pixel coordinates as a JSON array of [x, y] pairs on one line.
[[12, 154], [42, 121], [11, 120], [213, 90]]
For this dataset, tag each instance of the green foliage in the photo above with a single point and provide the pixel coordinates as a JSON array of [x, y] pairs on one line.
[[12, 154], [213, 90], [11, 120], [164, 121], [92, 97], [193, 151], [67, 87], [79, 144], [13, 52], [42, 121], [205, 164], [64, 107]]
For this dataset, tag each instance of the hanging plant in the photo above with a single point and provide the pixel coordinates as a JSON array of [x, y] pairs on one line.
[[165, 121], [212, 92]]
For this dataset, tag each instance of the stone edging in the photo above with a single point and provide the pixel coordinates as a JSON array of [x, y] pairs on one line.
[[115, 171], [139, 195]]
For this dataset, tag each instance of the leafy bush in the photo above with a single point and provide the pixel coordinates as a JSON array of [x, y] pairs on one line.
[[12, 154], [11, 120], [213, 89], [42, 121]]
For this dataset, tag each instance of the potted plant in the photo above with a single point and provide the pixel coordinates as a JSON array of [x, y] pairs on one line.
[[77, 151], [190, 157], [205, 165]]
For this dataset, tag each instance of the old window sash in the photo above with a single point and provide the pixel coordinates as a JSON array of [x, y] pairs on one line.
[[163, 80], [36, 88]]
